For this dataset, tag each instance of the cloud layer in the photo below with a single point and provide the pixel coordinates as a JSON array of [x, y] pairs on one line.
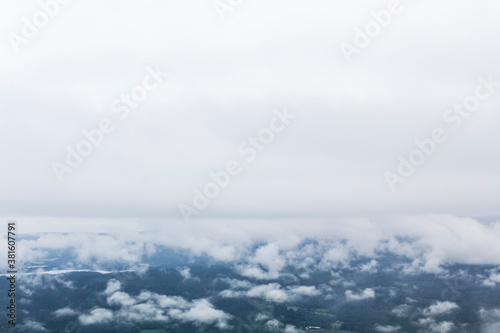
[[262, 250]]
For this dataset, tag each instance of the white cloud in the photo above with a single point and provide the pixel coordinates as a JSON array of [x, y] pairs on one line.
[[490, 320], [337, 256], [112, 286], [276, 325], [273, 324], [304, 291], [96, 316], [271, 292], [432, 326], [30, 325], [442, 327], [168, 301], [266, 263], [238, 284], [66, 311], [440, 308], [142, 312], [149, 306], [365, 294], [370, 267], [261, 317], [401, 311], [488, 315], [121, 298], [185, 272], [292, 329], [202, 312], [493, 279], [387, 328], [269, 257]]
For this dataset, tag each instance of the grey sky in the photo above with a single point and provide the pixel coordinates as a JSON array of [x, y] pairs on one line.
[[225, 79]]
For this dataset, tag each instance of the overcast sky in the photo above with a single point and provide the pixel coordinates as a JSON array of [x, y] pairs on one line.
[[226, 79]]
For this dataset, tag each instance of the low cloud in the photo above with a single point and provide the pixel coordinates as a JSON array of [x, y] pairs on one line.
[[401, 311], [365, 294], [96, 316], [440, 308], [149, 306], [304, 291], [370, 267], [490, 315], [277, 326], [387, 328], [121, 298], [494, 278], [202, 312], [431, 326], [31, 326], [112, 286], [185, 272], [490, 320], [67, 311], [271, 292]]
